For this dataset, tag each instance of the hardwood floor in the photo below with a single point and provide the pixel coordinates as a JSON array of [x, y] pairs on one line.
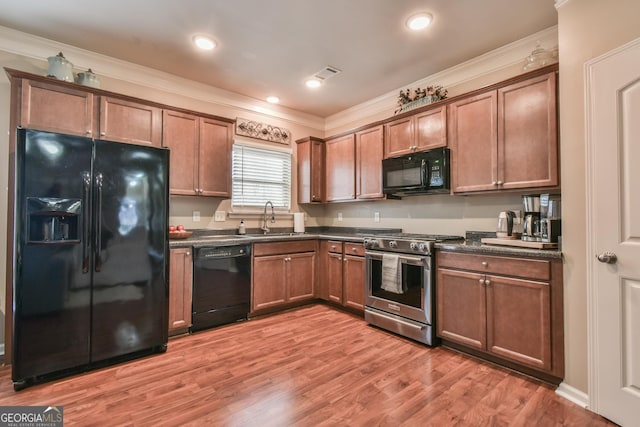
[[314, 366]]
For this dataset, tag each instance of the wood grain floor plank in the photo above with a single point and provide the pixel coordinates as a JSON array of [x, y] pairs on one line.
[[313, 366]]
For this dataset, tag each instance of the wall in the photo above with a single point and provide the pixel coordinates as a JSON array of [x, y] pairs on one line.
[[586, 29]]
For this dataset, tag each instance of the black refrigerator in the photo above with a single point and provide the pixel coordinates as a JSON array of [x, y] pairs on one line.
[[91, 254]]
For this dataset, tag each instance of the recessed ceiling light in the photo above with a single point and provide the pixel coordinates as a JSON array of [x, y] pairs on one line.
[[204, 42], [313, 83], [273, 99], [419, 21]]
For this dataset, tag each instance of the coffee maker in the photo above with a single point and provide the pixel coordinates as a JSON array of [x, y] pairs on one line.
[[550, 224], [531, 225]]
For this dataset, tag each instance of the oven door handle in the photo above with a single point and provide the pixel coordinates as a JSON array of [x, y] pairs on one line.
[[401, 257]]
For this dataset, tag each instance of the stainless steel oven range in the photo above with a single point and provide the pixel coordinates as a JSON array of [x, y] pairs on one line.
[[399, 293]]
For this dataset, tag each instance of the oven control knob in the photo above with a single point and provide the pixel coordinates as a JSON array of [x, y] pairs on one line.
[[370, 243], [422, 247], [393, 244], [413, 246]]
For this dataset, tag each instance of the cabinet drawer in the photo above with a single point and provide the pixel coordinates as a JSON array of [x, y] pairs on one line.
[[288, 247], [520, 267], [334, 246], [351, 248]]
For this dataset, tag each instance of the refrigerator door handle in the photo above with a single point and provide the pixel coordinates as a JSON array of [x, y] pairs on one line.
[[86, 242], [99, 180]]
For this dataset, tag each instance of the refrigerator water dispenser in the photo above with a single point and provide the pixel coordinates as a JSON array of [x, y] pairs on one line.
[[52, 220]]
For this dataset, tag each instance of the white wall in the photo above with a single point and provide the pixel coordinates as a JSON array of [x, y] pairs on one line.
[[586, 29]]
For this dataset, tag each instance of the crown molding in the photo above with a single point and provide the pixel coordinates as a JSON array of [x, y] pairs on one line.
[[486, 64], [39, 48]]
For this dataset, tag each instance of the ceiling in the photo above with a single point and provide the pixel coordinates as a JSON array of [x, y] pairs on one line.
[[270, 47]]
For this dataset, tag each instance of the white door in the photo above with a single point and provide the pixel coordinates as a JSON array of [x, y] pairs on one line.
[[613, 191]]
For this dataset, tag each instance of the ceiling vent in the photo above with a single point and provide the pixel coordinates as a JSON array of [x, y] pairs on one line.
[[326, 73]]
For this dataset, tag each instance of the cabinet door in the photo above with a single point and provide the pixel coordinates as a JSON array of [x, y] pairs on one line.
[[369, 154], [180, 288], [518, 321], [461, 307], [334, 276], [301, 275], [268, 282], [354, 281], [398, 137], [431, 129], [473, 142], [310, 170], [56, 108], [340, 168], [527, 134], [180, 133], [215, 158], [130, 122]]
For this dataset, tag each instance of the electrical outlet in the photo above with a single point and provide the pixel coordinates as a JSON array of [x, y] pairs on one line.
[[196, 216], [339, 216], [220, 216], [376, 217]]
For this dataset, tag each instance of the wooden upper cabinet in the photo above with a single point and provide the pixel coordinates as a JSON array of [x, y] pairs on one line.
[[398, 137], [130, 122], [431, 128], [215, 158], [369, 154], [505, 138], [311, 170], [56, 108], [340, 168], [180, 133], [200, 154], [527, 133], [473, 137], [419, 132]]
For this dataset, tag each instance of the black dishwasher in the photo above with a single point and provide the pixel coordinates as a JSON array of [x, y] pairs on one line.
[[221, 285]]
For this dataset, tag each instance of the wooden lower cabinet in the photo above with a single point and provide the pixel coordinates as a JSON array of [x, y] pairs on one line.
[[508, 308], [343, 273], [283, 273], [180, 290]]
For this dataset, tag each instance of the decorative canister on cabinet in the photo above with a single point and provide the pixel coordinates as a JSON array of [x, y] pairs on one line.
[[88, 78], [60, 68]]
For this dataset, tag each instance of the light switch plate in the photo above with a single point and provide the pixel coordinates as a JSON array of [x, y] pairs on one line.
[[196, 216], [220, 216], [376, 217], [339, 216]]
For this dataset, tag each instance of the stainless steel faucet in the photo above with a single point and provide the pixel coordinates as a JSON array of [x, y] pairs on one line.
[[265, 228]]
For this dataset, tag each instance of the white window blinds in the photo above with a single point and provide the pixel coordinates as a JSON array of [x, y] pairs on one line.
[[260, 175]]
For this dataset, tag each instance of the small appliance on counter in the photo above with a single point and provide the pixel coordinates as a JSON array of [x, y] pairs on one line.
[[506, 220], [550, 222], [531, 225]]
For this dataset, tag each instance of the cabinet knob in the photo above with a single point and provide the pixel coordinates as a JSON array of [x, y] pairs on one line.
[[500, 182], [354, 249], [88, 132], [333, 246], [103, 133], [481, 281], [494, 182], [485, 263], [487, 282], [188, 253]]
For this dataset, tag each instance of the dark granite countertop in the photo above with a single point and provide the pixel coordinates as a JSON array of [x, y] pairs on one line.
[[201, 238], [478, 248]]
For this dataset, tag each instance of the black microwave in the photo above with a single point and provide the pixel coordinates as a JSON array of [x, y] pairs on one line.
[[425, 172]]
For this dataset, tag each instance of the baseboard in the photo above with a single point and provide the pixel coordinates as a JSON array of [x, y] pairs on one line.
[[578, 397]]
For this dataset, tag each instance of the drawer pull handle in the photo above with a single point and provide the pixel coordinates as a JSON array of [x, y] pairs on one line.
[[485, 263]]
